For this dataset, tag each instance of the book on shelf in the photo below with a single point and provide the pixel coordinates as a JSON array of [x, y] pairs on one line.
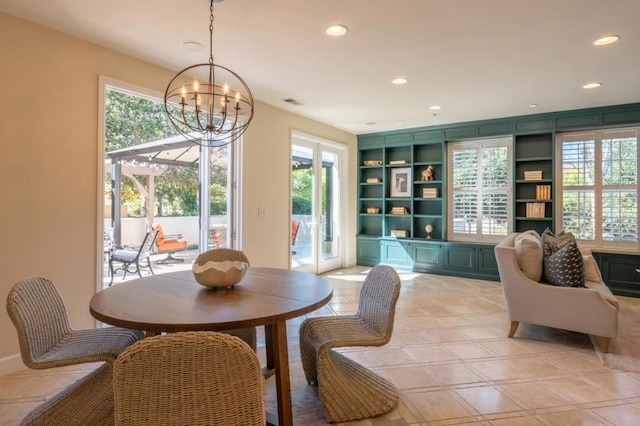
[[429, 192], [535, 210], [543, 192], [397, 162], [399, 210], [533, 175], [373, 180], [402, 233]]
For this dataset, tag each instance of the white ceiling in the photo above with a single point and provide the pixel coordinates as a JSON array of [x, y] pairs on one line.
[[479, 59]]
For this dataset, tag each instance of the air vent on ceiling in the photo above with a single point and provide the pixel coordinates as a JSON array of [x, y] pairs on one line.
[[292, 101]]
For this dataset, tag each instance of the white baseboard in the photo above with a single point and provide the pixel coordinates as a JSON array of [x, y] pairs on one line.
[[11, 364]]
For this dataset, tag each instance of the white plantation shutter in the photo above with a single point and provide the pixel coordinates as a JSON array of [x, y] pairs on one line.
[[465, 198], [480, 195], [599, 194]]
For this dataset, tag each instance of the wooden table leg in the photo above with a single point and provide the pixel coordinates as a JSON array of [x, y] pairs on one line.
[[278, 333]]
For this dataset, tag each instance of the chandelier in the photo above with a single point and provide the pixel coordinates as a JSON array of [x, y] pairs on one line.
[[209, 104]]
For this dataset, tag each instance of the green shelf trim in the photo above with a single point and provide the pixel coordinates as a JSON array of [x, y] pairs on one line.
[[428, 199], [426, 163], [427, 182], [522, 160], [371, 199], [371, 214], [370, 183], [535, 181], [407, 164], [371, 167], [428, 216], [398, 199]]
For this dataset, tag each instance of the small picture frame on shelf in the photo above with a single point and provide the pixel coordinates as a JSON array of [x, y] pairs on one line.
[[400, 184]]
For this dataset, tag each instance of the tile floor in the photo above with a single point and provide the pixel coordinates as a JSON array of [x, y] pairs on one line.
[[450, 358]]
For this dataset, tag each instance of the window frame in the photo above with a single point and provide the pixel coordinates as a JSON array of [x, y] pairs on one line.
[[598, 187], [480, 144]]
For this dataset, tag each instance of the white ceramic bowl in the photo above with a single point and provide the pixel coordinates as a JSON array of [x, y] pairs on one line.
[[220, 274]]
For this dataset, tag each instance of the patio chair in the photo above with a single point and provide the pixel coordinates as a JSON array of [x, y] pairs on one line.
[[189, 378], [220, 255], [294, 234], [348, 391], [131, 259], [169, 244], [47, 340]]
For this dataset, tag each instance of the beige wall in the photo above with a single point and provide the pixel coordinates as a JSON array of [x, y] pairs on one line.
[[48, 166]]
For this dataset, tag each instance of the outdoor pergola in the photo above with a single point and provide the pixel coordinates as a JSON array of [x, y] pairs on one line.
[[151, 159]]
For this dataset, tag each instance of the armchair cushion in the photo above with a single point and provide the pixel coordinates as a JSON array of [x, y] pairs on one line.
[[565, 267], [529, 254], [591, 270]]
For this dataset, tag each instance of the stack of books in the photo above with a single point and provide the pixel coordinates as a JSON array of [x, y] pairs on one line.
[[533, 175], [399, 210], [398, 162], [400, 233], [429, 192], [535, 210], [543, 192], [373, 180]]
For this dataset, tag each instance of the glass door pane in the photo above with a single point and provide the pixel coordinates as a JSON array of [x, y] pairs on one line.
[[330, 211], [303, 224]]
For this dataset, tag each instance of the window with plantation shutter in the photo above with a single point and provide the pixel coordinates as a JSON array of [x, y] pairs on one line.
[[598, 199], [480, 189]]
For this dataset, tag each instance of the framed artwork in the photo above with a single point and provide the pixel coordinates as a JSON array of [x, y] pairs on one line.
[[400, 182]]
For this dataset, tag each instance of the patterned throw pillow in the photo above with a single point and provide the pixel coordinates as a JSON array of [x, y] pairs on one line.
[[563, 262], [552, 243]]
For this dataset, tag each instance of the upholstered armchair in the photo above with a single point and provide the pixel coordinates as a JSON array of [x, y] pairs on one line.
[[591, 310]]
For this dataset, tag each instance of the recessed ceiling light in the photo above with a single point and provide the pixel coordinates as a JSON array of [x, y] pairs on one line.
[[608, 39], [400, 122], [399, 80], [435, 107], [192, 46], [533, 105], [370, 123], [593, 85], [337, 30]]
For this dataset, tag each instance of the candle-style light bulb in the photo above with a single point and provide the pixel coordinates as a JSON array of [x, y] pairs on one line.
[[184, 95], [237, 100], [226, 88]]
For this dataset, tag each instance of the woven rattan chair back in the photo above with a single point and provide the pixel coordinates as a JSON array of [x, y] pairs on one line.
[[348, 391], [46, 339], [189, 378], [37, 310], [378, 297]]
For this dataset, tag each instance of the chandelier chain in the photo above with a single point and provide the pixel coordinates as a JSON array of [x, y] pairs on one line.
[[211, 33]]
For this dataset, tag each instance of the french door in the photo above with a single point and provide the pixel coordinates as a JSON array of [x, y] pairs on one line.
[[316, 205]]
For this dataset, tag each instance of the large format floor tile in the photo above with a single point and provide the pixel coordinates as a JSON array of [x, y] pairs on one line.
[[449, 357]]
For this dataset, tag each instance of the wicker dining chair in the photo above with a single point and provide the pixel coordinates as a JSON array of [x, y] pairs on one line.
[[347, 390], [189, 378], [220, 255], [88, 401], [47, 340]]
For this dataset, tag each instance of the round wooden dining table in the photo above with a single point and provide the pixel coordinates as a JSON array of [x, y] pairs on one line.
[[174, 302]]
